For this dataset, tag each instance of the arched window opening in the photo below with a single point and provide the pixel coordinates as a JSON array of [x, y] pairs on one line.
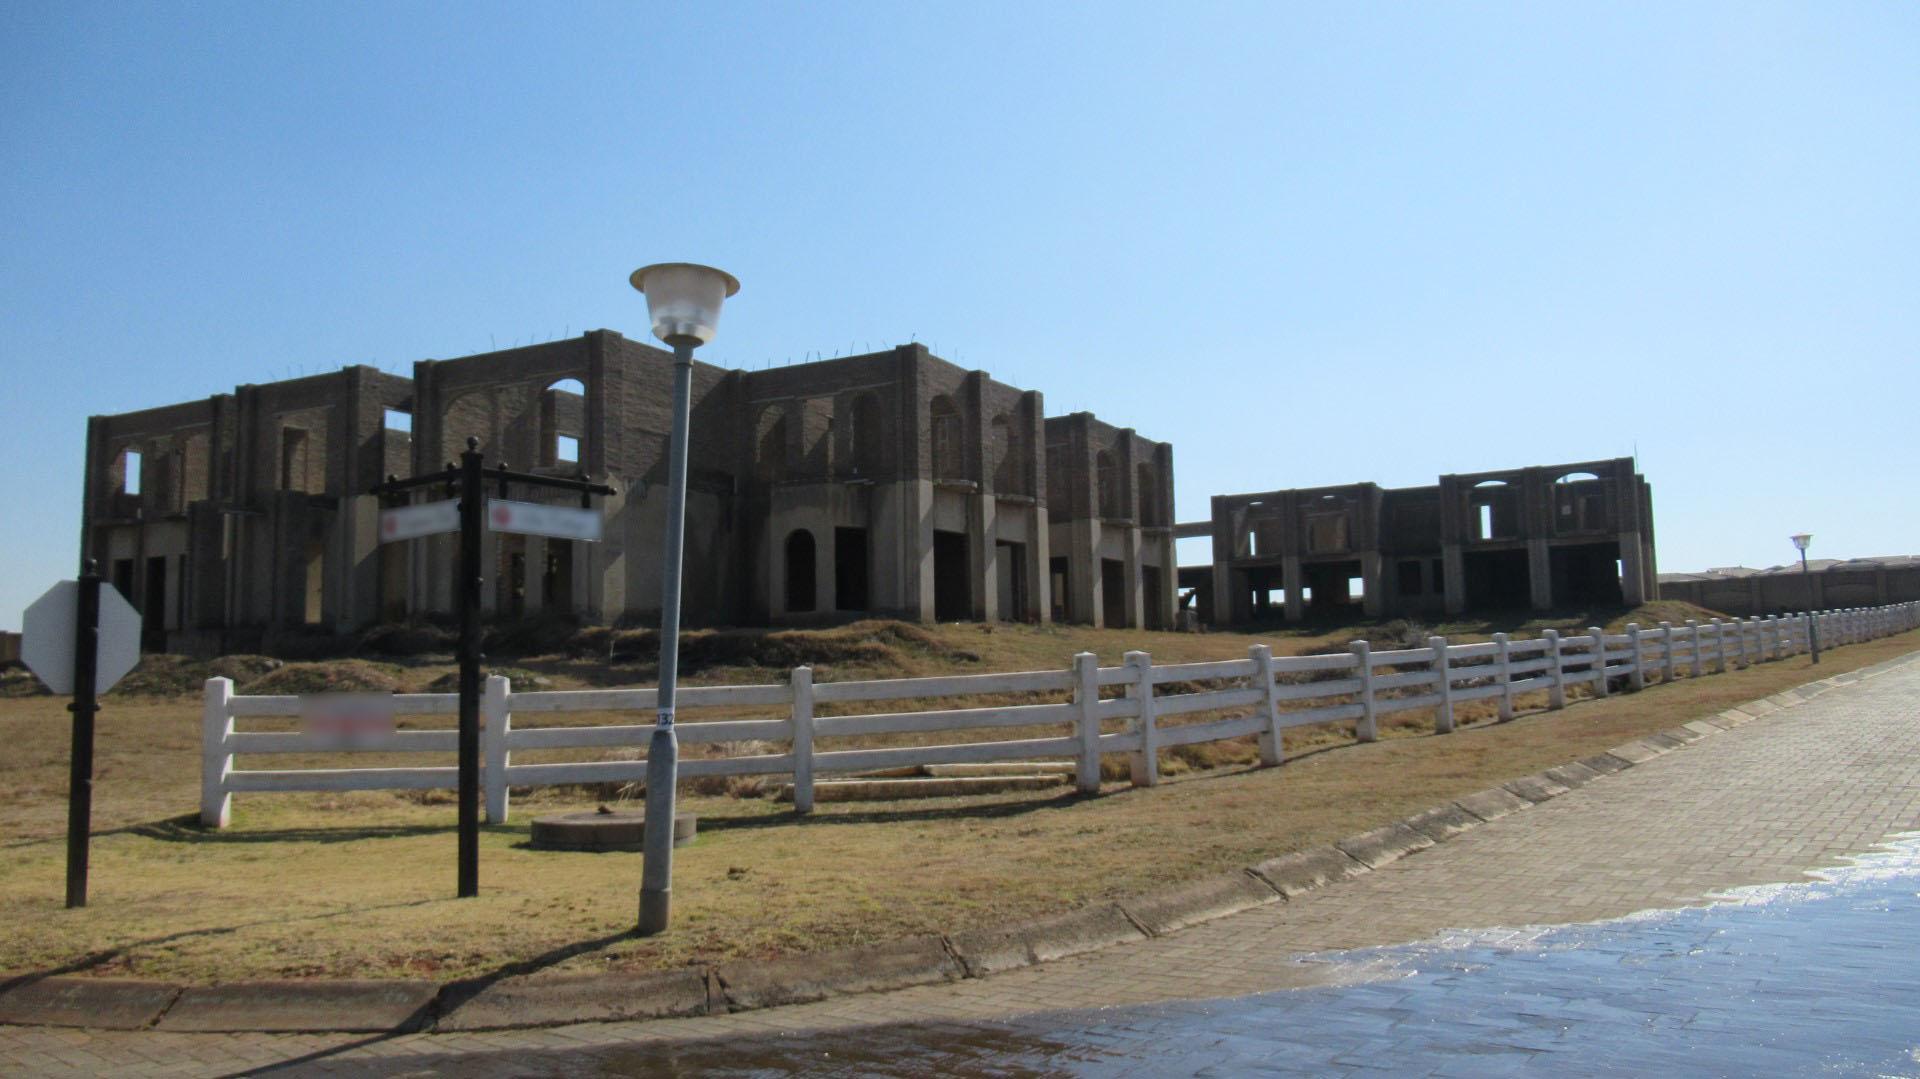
[[1494, 511], [129, 478], [800, 572], [866, 436], [1579, 503], [563, 423], [1107, 477], [949, 445]]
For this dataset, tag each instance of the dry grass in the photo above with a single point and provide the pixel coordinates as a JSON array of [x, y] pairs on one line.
[[359, 884]]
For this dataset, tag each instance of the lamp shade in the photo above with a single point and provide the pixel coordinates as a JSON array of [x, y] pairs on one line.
[[1802, 540], [684, 298]]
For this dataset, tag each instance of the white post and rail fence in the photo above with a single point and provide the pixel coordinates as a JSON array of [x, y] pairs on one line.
[[1092, 710]]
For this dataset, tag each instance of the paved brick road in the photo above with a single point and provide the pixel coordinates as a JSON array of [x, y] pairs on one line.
[[1793, 791]]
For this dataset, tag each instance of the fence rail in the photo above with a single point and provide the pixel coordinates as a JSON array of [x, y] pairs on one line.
[[1357, 686]]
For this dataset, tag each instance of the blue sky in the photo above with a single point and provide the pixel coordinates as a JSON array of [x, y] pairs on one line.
[[1306, 244]]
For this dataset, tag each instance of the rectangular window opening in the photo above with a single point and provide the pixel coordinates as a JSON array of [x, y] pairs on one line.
[[130, 472], [399, 420], [566, 449], [1356, 588], [1486, 522]]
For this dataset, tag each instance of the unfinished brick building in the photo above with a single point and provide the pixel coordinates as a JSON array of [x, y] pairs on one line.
[[892, 483], [1550, 536]]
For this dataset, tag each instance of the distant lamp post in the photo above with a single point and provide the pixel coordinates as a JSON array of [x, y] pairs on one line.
[[1813, 624], [683, 299]]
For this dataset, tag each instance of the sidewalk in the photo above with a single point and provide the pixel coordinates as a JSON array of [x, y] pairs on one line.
[[1760, 803]]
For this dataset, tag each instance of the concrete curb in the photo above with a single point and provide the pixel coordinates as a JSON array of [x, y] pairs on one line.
[[101, 1003], [986, 951], [1182, 905], [521, 1001], [584, 998], [302, 1007], [802, 979]]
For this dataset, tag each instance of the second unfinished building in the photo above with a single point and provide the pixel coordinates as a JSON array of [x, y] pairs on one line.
[[1539, 538]]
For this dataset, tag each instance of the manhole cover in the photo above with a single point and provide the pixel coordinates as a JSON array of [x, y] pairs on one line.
[[596, 830]]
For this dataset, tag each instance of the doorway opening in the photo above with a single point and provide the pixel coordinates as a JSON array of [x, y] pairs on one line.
[[1113, 593], [800, 572], [556, 577], [952, 598], [1012, 580], [1498, 580], [850, 561], [153, 612]]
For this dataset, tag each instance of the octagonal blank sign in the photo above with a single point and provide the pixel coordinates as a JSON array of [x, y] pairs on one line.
[[46, 637]]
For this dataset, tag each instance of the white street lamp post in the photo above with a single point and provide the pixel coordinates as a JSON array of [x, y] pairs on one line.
[[683, 299], [1813, 624]]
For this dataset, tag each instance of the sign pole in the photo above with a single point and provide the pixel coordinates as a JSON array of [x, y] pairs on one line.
[[468, 514], [86, 653], [472, 519]]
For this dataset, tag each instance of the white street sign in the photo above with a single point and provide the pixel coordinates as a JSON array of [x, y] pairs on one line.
[[533, 519], [412, 522], [46, 637]]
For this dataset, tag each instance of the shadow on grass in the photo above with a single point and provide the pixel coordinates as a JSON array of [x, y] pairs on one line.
[[96, 959], [187, 828]]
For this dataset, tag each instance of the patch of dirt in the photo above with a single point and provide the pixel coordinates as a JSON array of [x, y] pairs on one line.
[[332, 676]]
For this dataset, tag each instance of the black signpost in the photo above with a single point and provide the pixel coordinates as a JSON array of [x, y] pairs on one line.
[[86, 658], [468, 479]]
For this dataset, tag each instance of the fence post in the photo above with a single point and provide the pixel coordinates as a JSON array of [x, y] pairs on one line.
[[801, 742], [1272, 749], [1636, 677], [216, 760], [495, 722], [1503, 655], [1599, 660], [1086, 725], [1443, 681], [1719, 646], [1770, 647], [1367, 728], [1146, 760], [1556, 693], [1697, 667]]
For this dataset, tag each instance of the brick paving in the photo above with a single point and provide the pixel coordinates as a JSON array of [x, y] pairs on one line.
[[1764, 802]]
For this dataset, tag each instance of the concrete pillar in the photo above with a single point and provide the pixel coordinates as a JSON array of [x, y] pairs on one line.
[[1136, 606], [1083, 573], [984, 556], [359, 526], [600, 569], [1293, 580], [919, 562], [1039, 567], [1228, 604], [1632, 573], [1453, 578], [1373, 603], [1540, 574], [1170, 580]]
